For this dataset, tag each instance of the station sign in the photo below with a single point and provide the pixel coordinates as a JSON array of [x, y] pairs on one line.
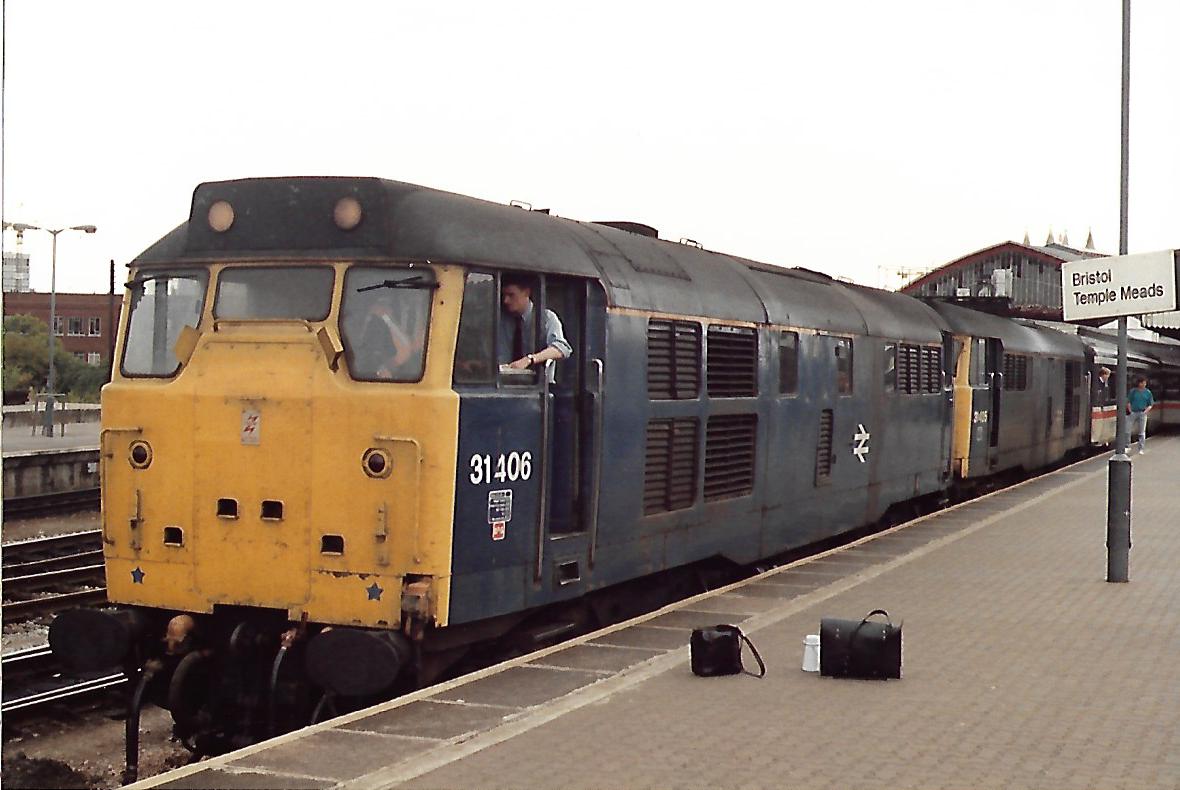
[[1119, 285]]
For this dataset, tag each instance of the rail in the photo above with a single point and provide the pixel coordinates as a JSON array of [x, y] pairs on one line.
[[51, 547], [35, 571], [51, 503], [17, 611], [33, 678]]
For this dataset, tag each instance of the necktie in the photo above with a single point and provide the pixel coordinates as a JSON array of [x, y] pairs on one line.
[[518, 339]]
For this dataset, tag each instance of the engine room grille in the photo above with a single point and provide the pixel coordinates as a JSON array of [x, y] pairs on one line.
[[730, 443], [670, 465], [673, 359], [919, 369], [1015, 372], [908, 368], [931, 369], [823, 449], [732, 365]]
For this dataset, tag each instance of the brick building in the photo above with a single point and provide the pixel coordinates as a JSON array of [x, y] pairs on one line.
[[84, 321]]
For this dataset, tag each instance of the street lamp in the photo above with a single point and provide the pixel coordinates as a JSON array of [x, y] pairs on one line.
[[50, 384]]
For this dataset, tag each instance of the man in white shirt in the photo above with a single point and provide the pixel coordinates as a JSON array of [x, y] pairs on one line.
[[516, 329]]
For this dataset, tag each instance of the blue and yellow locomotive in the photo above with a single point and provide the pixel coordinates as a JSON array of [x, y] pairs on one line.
[[312, 446]]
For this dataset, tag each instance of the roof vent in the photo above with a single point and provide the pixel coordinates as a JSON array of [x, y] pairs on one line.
[[524, 204], [633, 227]]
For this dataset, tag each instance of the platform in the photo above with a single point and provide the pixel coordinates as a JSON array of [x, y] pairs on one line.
[[1023, 668], [20, 440]]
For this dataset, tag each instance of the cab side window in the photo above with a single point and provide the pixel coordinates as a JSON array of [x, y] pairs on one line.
[[475, 349], [844, 366], [788, 363]]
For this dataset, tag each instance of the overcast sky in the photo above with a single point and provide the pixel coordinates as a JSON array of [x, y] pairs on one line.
[[854, 137]]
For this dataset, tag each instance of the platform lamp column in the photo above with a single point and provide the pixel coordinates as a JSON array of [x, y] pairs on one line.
[[51, 382], [1118, 501]]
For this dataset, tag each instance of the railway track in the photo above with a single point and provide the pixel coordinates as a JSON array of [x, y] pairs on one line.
[[41, 577], [33, 679], [25, 551], [47, 575], [51, 503]]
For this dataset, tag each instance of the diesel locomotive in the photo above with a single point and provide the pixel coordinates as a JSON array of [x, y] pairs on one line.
[[292, 516]]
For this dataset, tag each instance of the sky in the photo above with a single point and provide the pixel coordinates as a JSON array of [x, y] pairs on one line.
[[857, 138]]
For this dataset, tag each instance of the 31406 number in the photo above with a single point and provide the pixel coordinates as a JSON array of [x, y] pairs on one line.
[[511, 467]]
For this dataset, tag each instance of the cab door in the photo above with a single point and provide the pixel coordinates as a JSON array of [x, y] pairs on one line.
[[995, 356], [844, 457], [571, 457], [986, 385], [526, 480]]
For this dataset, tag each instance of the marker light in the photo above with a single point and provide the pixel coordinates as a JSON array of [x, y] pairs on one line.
[[140, 455], [376, 463], [347, 213], [221, 216]]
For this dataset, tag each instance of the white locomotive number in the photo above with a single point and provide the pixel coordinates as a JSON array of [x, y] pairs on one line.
[[512, 467]]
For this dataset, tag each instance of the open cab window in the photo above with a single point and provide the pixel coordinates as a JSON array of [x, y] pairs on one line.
[[490, 337], [384, 315], [162, 304]]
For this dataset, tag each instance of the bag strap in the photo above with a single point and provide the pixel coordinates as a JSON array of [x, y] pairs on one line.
[[877, 611], [754, 650]]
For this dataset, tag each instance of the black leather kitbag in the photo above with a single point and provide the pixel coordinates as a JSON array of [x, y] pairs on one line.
[[860, 649], [717, 650]]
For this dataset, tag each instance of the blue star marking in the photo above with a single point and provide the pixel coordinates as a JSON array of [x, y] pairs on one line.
[[137, 575], [374, 592]]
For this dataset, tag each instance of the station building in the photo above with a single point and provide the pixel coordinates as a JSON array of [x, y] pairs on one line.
[[1166, 324], [1012, 278]]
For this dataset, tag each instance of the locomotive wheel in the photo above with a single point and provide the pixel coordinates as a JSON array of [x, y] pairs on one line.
[[188, 692]]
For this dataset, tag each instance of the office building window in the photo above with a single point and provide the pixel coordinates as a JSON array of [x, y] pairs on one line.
[[95, 327], [75, 326], [59, 326], [93, 358]]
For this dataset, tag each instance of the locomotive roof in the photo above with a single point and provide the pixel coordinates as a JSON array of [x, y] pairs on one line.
[[291, 219], [1017, 337], [1166, 353]]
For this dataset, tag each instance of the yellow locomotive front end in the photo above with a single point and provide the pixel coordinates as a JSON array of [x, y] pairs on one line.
[[283, 437], [278, 454]]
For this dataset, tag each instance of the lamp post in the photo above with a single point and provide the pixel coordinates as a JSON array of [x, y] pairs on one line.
[[50, 384], [1118, 500]]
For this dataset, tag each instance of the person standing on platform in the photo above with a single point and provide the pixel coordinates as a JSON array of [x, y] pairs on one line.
[[1139, 402]]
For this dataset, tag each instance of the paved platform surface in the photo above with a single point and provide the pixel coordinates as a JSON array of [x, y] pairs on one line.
[[78, 436], [1023, 669]]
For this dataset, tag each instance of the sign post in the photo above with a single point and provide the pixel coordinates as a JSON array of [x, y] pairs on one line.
[[1108, 288]]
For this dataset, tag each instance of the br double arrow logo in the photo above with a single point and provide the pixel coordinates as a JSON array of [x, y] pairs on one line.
[[860, 442]]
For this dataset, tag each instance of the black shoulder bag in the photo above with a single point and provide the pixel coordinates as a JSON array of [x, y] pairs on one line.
[[717, 650]]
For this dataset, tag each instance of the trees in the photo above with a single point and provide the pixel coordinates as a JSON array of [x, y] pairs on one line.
[[26, 361]]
